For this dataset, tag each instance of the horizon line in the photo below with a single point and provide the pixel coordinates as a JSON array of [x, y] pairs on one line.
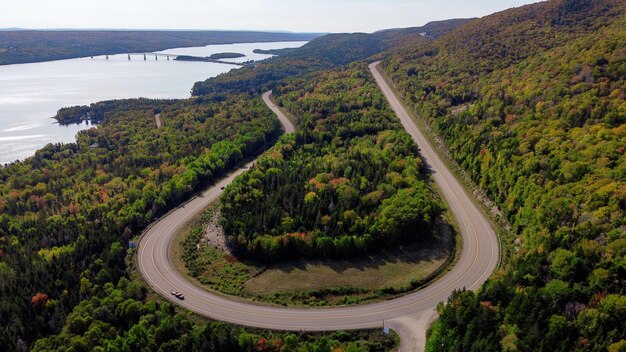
[[118, 29]]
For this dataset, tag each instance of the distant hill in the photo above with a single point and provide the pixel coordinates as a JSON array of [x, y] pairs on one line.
[[432, 30], [23, 46], [340, 49], [323, 52]]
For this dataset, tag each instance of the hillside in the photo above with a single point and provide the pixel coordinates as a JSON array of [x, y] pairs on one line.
[[531, 103], [410, 36], [340, 49], [23, 46]]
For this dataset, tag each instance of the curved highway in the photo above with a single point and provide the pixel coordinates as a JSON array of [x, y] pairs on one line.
[[408, 314]]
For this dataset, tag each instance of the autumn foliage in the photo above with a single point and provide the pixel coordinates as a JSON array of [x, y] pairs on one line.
[[39, 300]]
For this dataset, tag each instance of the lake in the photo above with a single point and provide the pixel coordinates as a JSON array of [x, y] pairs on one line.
[[30, 94]]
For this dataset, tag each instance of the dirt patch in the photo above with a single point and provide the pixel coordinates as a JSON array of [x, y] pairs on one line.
[[459, 109]]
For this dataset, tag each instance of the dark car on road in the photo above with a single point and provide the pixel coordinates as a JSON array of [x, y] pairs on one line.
[[178, 295]]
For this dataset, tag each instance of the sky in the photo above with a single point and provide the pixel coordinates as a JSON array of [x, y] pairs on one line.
[[283, 15]]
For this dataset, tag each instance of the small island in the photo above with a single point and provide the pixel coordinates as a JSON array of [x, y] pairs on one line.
[[282, 51], [192, 58], [210, 59], [219, 56]]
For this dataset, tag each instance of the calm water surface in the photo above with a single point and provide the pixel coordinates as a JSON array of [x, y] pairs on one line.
[[31, 93]]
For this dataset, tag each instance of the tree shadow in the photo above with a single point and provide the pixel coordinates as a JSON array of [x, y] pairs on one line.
[[436, 245]]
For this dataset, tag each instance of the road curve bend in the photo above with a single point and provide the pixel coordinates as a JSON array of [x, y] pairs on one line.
[[408, 314]]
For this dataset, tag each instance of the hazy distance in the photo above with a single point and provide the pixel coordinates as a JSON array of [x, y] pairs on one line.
[[289, 15]]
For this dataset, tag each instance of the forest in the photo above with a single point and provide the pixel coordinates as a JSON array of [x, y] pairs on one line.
[[348, 182], [67, 213], [24, 46], [119, 318], [530, 102], [96, 112]]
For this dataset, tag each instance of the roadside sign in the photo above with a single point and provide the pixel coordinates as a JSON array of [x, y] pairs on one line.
[[385, 330], [132, 245]]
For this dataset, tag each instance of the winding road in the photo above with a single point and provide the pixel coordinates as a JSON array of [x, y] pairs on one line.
[[409, 315]]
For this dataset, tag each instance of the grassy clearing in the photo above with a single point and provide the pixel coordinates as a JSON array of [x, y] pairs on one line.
[[315, 282], [391, 268]]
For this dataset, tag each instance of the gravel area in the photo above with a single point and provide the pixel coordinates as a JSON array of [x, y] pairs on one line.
[[214, 234]]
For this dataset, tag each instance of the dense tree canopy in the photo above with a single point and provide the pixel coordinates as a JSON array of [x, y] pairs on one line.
[[120, 319], [67, 212], [350, 180]]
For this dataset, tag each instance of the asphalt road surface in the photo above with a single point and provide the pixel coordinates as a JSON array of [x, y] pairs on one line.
[[408, 314]]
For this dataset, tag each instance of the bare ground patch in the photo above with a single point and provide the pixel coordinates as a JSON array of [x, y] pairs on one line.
[[214, 234]]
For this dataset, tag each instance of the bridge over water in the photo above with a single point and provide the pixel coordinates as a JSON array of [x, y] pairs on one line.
[[155, 56]]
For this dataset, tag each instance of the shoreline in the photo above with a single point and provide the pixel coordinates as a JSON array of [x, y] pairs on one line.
[[158, 48], [29, 117]]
